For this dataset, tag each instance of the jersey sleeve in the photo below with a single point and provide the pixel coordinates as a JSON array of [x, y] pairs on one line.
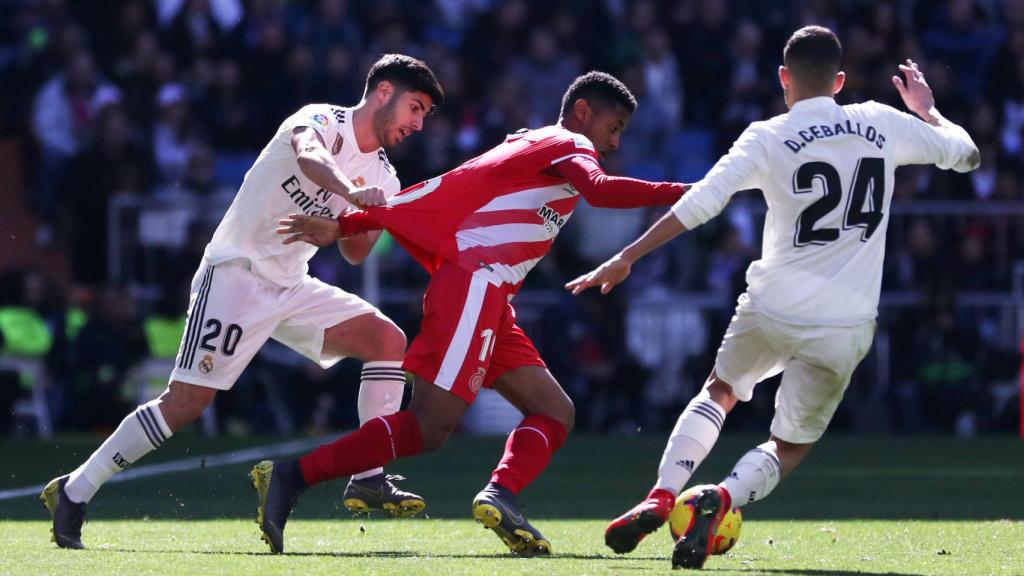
[[916, 142], [741, 169], [391, 186], [603, 191], [322, 118]]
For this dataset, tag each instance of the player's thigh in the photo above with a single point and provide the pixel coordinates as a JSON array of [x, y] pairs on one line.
[[815, 381], [533, 390], [326, 324], [462, 318], [519, 374], [748, 353], [231, 314], [839, 347], [368, 337], [511, 349]]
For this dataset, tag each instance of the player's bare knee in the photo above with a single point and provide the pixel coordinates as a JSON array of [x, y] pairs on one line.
[[790, 454], [382, 340], [182, 403], [558, 408], [569, 422], [435, 425], [791, 448], [392, 343], [435, 434], [566, 415], [721, 392]]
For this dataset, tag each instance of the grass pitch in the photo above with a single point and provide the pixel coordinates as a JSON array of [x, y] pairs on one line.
[[857, 506]]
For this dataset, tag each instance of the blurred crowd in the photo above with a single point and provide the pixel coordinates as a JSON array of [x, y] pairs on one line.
[[168, 102]]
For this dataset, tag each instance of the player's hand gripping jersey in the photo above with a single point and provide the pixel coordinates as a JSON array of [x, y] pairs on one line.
[[497, 214], [275, 187], [827, 175]]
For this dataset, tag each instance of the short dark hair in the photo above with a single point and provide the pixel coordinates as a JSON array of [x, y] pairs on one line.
[[406, 73], [812, 55], [598, 89]]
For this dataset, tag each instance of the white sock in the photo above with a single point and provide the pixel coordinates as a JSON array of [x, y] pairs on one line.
[[695, 434], [380, 394], [755, 475], [141, 432]]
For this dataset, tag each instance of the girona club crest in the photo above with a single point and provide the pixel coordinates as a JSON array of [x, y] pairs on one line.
[[476, 381]]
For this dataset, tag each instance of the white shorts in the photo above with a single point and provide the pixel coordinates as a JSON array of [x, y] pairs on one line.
[[817, 362], [232, 312]]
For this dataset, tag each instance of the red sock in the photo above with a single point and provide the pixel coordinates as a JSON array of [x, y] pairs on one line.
[[374, 444], [528, 451]]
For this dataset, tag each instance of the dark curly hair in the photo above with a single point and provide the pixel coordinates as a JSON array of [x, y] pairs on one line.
[[598, 89]]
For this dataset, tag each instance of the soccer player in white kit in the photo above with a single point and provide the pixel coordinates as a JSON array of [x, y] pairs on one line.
[[249, 287], [826, 172]]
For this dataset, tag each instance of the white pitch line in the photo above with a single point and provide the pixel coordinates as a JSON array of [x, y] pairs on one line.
[[194, 463]]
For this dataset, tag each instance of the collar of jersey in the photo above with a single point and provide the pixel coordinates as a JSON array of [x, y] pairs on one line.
[[813, 103], [348, 132]]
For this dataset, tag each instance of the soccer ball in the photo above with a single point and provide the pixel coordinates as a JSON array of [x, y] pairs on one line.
[[728, 531]]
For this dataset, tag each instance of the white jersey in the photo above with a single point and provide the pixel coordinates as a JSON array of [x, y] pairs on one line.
[[275, 187], [826, 172]]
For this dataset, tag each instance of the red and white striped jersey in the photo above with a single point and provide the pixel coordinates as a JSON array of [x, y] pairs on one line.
[[495, 215]]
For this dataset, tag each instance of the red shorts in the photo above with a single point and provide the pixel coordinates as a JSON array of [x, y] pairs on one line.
[[468, 337]]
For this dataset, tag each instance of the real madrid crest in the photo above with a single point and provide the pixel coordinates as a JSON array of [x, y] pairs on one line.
[[206, 364]]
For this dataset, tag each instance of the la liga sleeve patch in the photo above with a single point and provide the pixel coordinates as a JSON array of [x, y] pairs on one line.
[[583, 142], [321, 120]]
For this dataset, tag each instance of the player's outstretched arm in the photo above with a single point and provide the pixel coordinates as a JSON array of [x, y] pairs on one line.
[[318, 165], [603, 191], [618, 267], [916, 94], [355, 232], [950, 146], [738, 170]]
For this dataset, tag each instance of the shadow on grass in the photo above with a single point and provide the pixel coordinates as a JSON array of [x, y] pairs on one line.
[[809, 572], [505, 556], [386, 554]]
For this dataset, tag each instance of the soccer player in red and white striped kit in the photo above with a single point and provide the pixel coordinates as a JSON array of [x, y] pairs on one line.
[[478, 229]]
